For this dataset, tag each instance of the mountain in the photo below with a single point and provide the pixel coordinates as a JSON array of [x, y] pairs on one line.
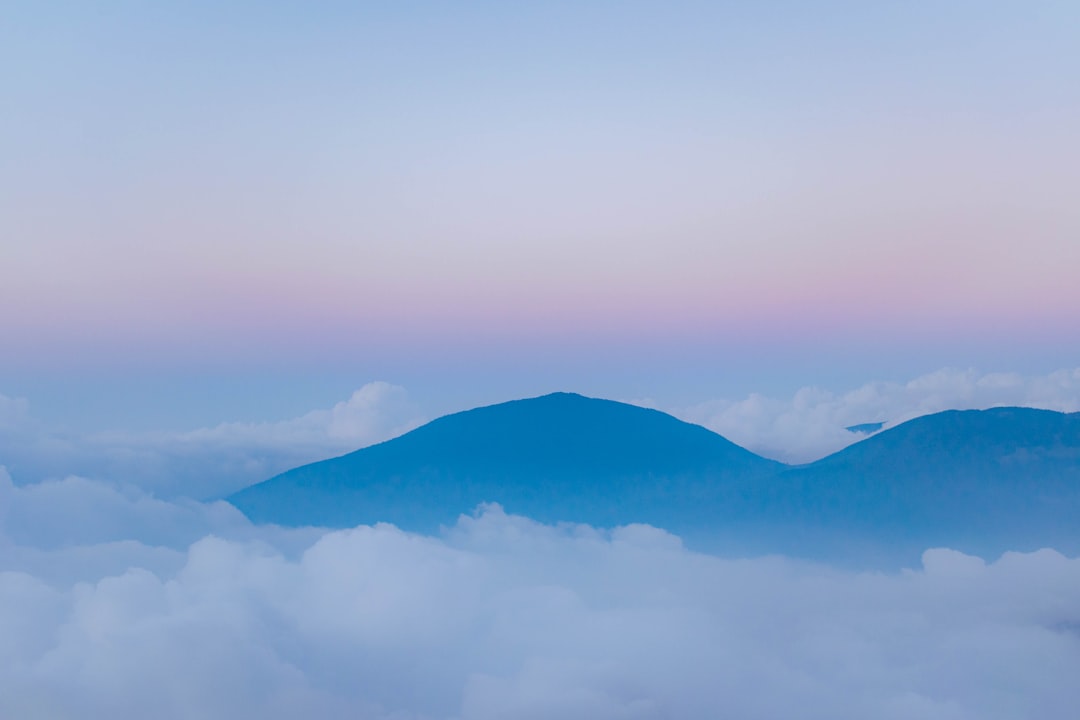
[[557, 457], [988, 480], [981, 481]]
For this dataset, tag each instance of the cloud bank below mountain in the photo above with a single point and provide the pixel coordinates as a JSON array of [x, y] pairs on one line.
[[499, 617]]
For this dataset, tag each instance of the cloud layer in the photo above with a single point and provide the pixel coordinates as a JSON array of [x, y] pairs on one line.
[[811, 424], [501, 617], [207, 462]]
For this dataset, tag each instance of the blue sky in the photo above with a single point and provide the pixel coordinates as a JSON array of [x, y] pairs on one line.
[[245, 211]]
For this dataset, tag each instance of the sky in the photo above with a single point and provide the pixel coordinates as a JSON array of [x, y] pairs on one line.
[[239, 212]]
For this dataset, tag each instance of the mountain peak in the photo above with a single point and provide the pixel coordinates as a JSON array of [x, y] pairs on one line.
[[560, 456], [977, 480]]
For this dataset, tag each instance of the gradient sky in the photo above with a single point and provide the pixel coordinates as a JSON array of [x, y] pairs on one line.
[[215, 211]]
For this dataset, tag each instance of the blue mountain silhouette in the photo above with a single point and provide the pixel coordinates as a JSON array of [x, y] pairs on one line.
[[554, 458], [984, 480], [981, 481]]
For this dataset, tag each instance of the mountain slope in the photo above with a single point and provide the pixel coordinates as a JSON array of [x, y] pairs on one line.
[[556, 457], [988, 480], [978, 481]]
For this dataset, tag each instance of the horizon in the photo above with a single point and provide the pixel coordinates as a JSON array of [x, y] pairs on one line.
[[213, 459]]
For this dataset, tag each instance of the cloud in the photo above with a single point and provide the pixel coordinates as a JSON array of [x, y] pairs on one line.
[[76, 528], [77, 511], [375, 412], [501, 617], [208, 462], [811, 424]]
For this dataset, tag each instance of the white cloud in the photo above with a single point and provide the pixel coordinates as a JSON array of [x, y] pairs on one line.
[[812, 423], [502, 617], [77, 511], [208, 462], [373, 413], [76, 528]]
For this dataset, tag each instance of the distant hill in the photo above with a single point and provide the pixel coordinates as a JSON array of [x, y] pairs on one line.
[[865, 428], [989, 480], [557, 457], [979, 481]]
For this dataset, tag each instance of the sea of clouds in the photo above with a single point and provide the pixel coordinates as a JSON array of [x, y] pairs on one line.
[[206, 462], [120, 606], [122, 597]]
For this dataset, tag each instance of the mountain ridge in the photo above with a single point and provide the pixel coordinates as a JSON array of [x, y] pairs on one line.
[[560, 456], [977, 479]]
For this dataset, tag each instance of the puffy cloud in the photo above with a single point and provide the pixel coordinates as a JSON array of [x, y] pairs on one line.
[[81, 528], [375, 412], [77, 511], [811, 424], [502, 617], [210, 462]]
